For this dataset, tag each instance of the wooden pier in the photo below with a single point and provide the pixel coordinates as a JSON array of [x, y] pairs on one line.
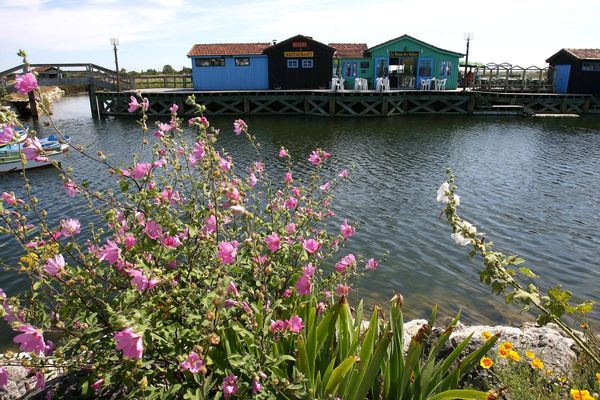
[[352, 103]]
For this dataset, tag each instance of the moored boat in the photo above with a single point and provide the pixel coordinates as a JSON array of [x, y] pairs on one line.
[[12, 162]]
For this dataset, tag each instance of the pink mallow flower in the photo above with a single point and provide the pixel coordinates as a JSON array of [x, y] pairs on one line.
[[283, 152], [174, 108], [130, 343], [32, 148], [288, 178], [347, 230], [54, 265], [40, 380], [371, 264], [343, 174], [171, 242], [133, 104], [141, 281], [7, 134], [227, 252], [193, 363], [342, 290], [26, 83], [273, 242], [277, 326], [71, 188], [153, 230], [140, 170], [345, 262], [295, 324], [238, 126], [3, 377], [111, 253], [31, 340], [290, 228], [9, 198], [311, 245], [232, 289], [230, 386], [304, 285], [256, 386], [70, 227]]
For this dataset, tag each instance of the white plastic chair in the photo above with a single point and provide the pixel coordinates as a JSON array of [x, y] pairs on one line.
[[425, 84], [440, 84], [385, 84]]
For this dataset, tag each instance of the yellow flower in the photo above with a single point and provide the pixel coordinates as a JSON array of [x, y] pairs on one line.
[[530, 355], [502, 352], [486, 335], [537, 363], [486, 362], [491, 395], [597, 376], [577, 394], [514, 356], [507, 345]]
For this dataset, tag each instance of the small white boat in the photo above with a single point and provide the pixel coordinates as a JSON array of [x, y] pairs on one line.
[[11, 162]]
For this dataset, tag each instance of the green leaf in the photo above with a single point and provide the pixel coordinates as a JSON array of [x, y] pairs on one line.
[[338, 374], [527, 272], [464, 394], [124, 185]]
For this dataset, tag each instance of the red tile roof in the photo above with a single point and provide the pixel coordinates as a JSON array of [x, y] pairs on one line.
[[349, 50], [227, 49], [585, 54]]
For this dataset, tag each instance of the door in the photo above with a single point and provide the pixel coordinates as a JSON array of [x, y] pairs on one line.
[[424, 70], [561, 78], [380, 68]]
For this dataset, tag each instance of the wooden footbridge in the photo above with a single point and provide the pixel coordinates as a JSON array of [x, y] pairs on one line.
[[106, 100]]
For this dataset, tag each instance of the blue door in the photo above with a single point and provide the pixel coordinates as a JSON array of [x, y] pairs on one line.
[[380, 68], [561, 78], [424, 70]]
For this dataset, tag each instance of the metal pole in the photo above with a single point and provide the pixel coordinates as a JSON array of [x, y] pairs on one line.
[[466, 66], [117, 65]]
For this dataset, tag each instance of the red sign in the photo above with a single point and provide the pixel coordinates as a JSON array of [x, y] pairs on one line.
[[299, 44]]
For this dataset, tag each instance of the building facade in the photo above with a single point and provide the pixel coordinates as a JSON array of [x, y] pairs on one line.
[[576, 71], [407, 61], [349, 62], [229, 66], [299, 63]]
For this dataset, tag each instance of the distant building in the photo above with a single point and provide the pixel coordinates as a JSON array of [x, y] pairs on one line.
[[576, 71], [229, 66], [406, 61], [349, 62], [299, 63], [47, 72]]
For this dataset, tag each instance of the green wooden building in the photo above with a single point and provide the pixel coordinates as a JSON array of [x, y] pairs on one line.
[[349, 62], [407, 61]]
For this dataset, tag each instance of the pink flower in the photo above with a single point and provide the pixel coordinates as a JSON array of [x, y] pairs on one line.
[[26, 83], [227, 252], [342, 290], [347, 230], [233, 194], [141, 170], [230, 303], [291, 203], [283, 152], [193, 363], [325, 187], [3, 377], [133, 105], [273, 242], [311, 245], [315, 158], [232, 289], [308, 270], [145, 104], [9, 199], [70, 227], [238, 126], [230, 385], [343, 174], [174, 108], [130, 343], [287, 293], [277, 326], [290, 228], [153, 230], [303, 285], [204, 122], [7, 135], [345, 262], [32, 148], [141, 281], [97, 385], [256, 386], [295, 324], [259, 166], [171, 242], [129, 241], [199, 151], [210, 225], [40, 380], [111, 253], [288, 178], [71, 188], [225, 163], [31, 340], [54, 265], [371, 264]]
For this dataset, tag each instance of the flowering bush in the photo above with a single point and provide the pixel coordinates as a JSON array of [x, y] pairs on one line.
[[205, 281]]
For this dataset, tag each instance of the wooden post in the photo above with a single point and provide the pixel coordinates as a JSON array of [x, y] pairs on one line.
[[332, 105], [471, 103], [92, 93], [384, 105], [246, 105], [586, 105]]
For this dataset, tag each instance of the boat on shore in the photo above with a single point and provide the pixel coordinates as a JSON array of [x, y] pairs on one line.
[[53, 148]]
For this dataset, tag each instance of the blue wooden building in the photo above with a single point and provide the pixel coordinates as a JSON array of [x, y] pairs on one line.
[[576, 71], [229, 66]]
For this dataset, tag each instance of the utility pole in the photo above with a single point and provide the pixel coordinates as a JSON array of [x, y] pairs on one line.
[[468, 38], [115, 43]]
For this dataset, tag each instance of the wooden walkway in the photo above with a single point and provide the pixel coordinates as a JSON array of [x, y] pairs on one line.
[[350, 103]]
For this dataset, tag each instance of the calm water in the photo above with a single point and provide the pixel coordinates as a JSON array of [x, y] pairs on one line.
[[533, 185]]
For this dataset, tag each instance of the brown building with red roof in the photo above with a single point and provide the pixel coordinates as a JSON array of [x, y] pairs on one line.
[[349, 62]]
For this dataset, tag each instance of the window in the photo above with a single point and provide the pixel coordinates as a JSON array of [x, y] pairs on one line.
[[307, 63], [242, 61], [364, 64], [445, 68], [425, 67], [590, 67], [210, 62], [292, 63]]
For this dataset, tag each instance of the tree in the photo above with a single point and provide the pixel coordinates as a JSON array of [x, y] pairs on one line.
[[186, 70], [167, 69]]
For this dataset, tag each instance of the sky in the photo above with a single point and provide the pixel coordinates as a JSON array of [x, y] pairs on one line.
[[153, 33]]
